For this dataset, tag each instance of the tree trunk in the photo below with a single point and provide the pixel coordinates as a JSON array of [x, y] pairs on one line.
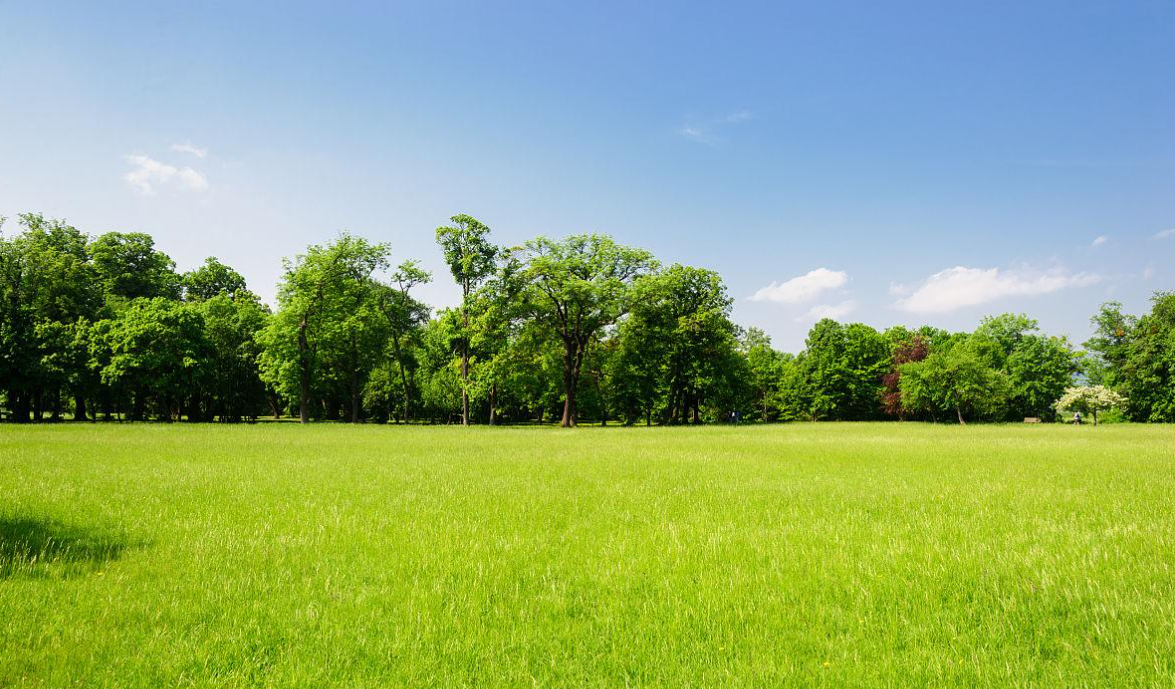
[[403, 375], [55, 412], [465, 287], [138, 407], [354, 395], [464, 384], [493, 396], [20, 407], [960, 414], [572, 358], [79, 407], [303, 374]]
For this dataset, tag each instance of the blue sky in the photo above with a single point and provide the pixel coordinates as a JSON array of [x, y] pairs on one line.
[[898, 162]]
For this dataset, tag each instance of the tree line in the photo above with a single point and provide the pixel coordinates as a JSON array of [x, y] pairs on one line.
[[574, 329]]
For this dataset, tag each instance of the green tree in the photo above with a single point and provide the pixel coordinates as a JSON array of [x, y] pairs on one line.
[[158, 350], [766, 368], [129, 267], [1039, 367], [844, 365], [576, 287], [405, 316], [957, 378], [211, 279], [679, 341], [232, 325], [470, 257], [1147, 375], [1109, 348], [327, 309], [46, 285]]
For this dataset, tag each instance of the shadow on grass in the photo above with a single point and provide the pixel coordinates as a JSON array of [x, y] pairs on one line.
[[44, 549]]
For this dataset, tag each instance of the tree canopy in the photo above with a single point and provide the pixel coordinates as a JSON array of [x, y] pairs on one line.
[[579, 329]]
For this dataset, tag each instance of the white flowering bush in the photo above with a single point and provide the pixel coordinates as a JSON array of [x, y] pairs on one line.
[[1089, 399]]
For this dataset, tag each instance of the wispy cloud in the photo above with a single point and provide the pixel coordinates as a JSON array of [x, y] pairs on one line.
[[806, 287], [150, 175], [707, 132], [190, 148], [696, 134], [960, 287], [1165, 234], [1099, 240], [833, 311]]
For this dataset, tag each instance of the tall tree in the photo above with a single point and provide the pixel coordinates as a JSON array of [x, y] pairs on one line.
[[326, 308], [47, 285], [211, 279], [844, 365], [470, 257], [956, 378], [158, 349], [680, 334], [129, 267], [766, 367], [405, 315], [1109, 348], [576, 287], [905, 347]]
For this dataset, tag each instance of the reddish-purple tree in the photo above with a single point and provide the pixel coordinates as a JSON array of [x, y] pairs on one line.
[[914, 349]]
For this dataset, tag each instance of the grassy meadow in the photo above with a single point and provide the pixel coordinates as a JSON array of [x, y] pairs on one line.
[[872, 555]]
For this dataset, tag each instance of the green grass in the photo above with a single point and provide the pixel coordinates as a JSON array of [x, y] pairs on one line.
[[804, 555]]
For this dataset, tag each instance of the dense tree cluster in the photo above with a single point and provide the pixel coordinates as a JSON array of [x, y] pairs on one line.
[[575, 329]]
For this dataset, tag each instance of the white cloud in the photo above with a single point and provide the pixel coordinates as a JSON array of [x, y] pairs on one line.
[[833, 311], [1148, 272], [150, 175], [695, 133], [191, 148], [959, 287], [806, 287], [1165, 234], [1099, 240], [707, 132]]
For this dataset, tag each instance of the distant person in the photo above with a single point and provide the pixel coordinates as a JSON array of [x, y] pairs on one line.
[[1077, 418]]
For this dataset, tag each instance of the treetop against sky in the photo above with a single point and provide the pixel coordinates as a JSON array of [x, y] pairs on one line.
[[907, 162]]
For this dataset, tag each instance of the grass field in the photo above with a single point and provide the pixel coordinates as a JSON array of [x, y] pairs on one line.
[[802, 555]]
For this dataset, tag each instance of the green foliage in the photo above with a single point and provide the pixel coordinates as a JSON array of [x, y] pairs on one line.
[[129, 267], [679, 344], [958, 379], [575, 287], [212, 279], [841, 369], [570, 328], [1136, 357], [329, 330], [157, 349]]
